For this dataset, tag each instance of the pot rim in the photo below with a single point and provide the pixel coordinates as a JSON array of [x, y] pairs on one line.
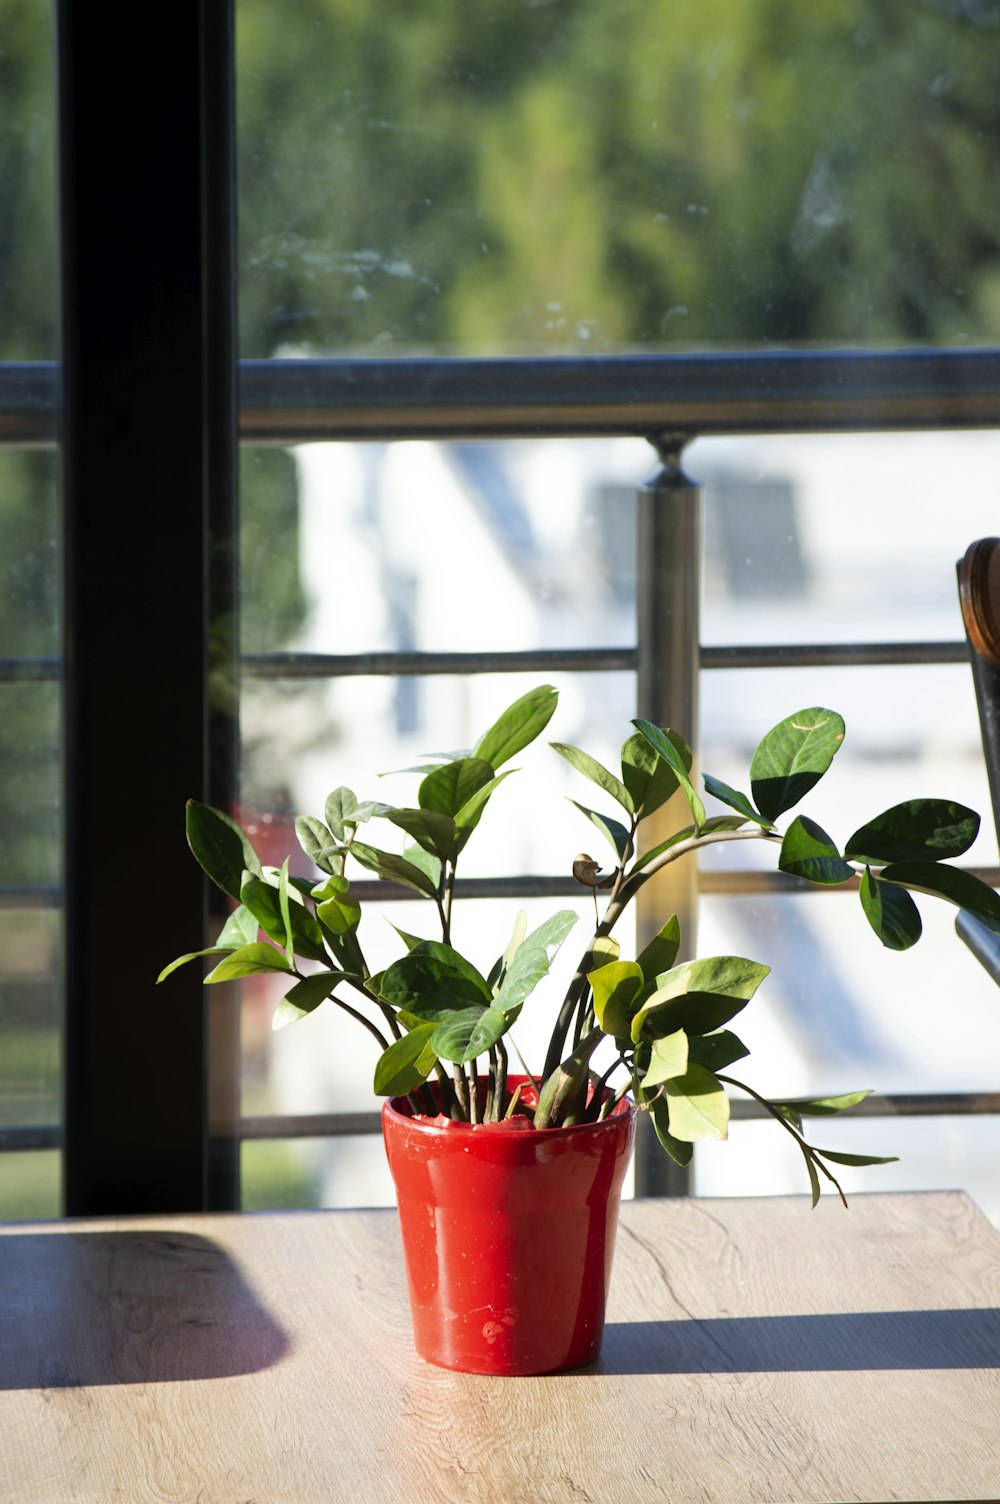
[[626, 1108]]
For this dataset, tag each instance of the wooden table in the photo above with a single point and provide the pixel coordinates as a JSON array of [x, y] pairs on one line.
[[755, 1351]]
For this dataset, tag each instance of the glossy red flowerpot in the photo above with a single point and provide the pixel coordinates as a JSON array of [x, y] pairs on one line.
[[508, 1236]]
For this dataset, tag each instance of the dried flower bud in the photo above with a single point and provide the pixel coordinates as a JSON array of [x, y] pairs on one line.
[[586, 871]]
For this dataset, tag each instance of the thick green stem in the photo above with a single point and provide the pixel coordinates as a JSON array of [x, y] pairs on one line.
[[624, 891]]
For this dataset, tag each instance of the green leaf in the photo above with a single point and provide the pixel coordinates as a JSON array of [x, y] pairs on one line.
[[287, 938], [264, 902], [532, 960], [463, 1036], [616, 988], [519, 724], [793, 757], [467, 817], [651, 781], [221, 848], [807, 851], [248, 961], [661, 952], [406, 1064], [820, 1107], [344, 813], [663, 743], [499, 968], [698, 1107], [855, 1159], [319, 844], [305, 997], [716, 1051], [699, 996], [669, 1059], [679, 1151], [192, 955], [917, 830], [430, 829], [961, 888], [813, 1178], [597, 773], [393, 869], [612, 830], [410, 941], [340, 912], [446, 789], [424, 861], [239, 929], [891, 912], [433, 981], [734, 799]]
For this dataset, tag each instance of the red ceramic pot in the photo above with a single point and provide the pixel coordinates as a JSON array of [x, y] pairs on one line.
[[508, 1235]]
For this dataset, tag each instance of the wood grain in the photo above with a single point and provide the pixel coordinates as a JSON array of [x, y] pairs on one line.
[[755, 1352]]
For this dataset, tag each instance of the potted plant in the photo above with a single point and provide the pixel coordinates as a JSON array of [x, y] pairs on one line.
[[508, 1181]]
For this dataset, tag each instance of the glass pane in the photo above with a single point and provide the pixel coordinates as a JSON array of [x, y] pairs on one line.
[[30, 639], [518, 177]]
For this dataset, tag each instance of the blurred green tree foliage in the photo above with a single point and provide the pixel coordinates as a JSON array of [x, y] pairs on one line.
[[571, 175]]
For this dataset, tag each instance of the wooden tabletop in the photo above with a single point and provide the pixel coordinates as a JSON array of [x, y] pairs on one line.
[[755, 1351]]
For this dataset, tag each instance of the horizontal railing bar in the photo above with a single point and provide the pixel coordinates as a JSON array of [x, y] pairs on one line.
[[398, 665], [770, 391], [35, 1136], [30, 896], [29, 670], [270, 1126], [601, 660]]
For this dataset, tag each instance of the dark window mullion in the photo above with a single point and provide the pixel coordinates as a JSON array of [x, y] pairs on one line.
[[147, 351]]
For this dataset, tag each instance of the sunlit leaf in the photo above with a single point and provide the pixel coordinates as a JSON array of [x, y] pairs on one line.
[[239, 929], [433, 981], [807, 851], [319, 843], [597, 773], [698, 1107], [651, 781], [820, 1107], [248, 961], [463, 1036], [890, 911], [663, 744], [917, 830], [532, 960], [661, 952], [192, 955], [612, 830], [699, 996], [616, 988], [264, 902], [305, 997], [669, 1059], [793, 757], [446, 789], [715, 1051], [392, 868], [430, 829], [519, 724], [838, 1158], [734, 799], [406, 1064], [220, 846], [679, 1150]]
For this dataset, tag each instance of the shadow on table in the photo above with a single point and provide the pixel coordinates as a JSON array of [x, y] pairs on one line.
[[82, 1308], [805, 1344]]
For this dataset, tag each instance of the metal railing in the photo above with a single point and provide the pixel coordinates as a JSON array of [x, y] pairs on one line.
[[668, 400]]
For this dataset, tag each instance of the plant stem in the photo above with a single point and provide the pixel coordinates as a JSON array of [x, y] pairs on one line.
[[807, 1150], [461, 1093], [622, 894], [501, 1091]]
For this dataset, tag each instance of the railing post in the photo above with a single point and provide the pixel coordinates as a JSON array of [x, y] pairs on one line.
[[668, 597]]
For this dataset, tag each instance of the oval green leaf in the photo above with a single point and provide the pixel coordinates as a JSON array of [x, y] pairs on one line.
[[519, 724], [807, 851], [890, 911], [698, 1107], [616, 988], [793, 757], [220, 846], [406, 1064], [917, 830], [961, 888], [597, 773]]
